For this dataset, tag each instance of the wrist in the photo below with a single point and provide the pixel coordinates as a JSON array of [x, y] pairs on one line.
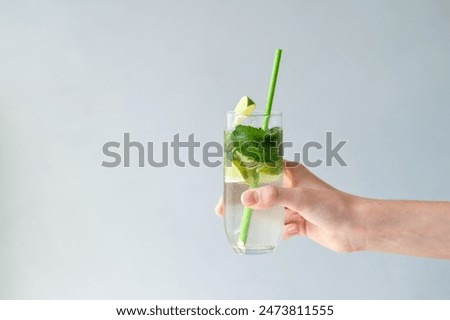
[[374, 232], [360, 232]]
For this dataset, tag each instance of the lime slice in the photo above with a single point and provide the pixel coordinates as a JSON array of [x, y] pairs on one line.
[[267, 178], [243, 109], [269, 172], [239, 171], [245, 106], [232, 174]]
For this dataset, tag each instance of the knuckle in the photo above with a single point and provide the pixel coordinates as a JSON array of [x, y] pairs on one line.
[[269, 194]]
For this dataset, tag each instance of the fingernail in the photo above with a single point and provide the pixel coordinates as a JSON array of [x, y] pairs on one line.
[[250, 198]]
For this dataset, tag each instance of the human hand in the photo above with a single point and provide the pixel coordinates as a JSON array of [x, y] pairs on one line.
[[312, 208]]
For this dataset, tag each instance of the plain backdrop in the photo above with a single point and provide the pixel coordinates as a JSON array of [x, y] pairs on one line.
[[77, 74]]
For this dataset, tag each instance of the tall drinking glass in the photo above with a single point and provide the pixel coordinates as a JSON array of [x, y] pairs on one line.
[[252, 158]]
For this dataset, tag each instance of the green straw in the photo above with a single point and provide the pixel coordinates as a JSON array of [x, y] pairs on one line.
[[247, 214], [273, 83]]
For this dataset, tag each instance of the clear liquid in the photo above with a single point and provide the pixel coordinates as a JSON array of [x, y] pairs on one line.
[[266, 226]]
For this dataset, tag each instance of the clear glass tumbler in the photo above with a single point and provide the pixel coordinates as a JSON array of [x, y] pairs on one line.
[[252, 158]]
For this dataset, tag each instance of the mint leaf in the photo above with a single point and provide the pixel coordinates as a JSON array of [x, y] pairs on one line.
[[257, 144], [270, 168], [272, 145], [254, 151], [247, 133]]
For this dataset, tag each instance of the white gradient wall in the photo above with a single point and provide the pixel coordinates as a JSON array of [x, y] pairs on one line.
[[76, 74]]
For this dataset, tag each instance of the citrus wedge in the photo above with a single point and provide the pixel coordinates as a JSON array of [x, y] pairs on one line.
[[243, 109]]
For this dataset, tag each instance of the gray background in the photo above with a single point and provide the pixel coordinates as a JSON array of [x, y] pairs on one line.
[[76, 74]]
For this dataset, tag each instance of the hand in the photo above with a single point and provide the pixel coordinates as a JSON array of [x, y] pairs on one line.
[[312, 208], [347, 223]]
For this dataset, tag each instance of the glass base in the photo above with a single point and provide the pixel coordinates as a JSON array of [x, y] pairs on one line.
[[253, 251]]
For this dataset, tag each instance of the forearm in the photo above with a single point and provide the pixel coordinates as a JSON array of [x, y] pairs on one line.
[[417, 228]]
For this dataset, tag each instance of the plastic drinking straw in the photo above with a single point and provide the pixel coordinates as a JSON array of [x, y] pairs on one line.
[[247, 214], [273, 83]]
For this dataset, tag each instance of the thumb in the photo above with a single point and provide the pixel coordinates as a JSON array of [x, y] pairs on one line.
[[271, 196]]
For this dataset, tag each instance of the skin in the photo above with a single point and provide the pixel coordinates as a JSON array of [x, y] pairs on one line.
[[347, 223]]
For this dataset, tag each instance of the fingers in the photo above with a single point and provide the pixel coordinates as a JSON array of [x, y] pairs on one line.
[[294, 224], [291, 216], [290, 230], [270, 196], [219, 207]]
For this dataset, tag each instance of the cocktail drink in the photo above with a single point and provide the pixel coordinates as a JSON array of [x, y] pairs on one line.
[[252, 158]]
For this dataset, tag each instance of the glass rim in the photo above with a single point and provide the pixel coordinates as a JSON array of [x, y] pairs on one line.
[[257, 114]]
